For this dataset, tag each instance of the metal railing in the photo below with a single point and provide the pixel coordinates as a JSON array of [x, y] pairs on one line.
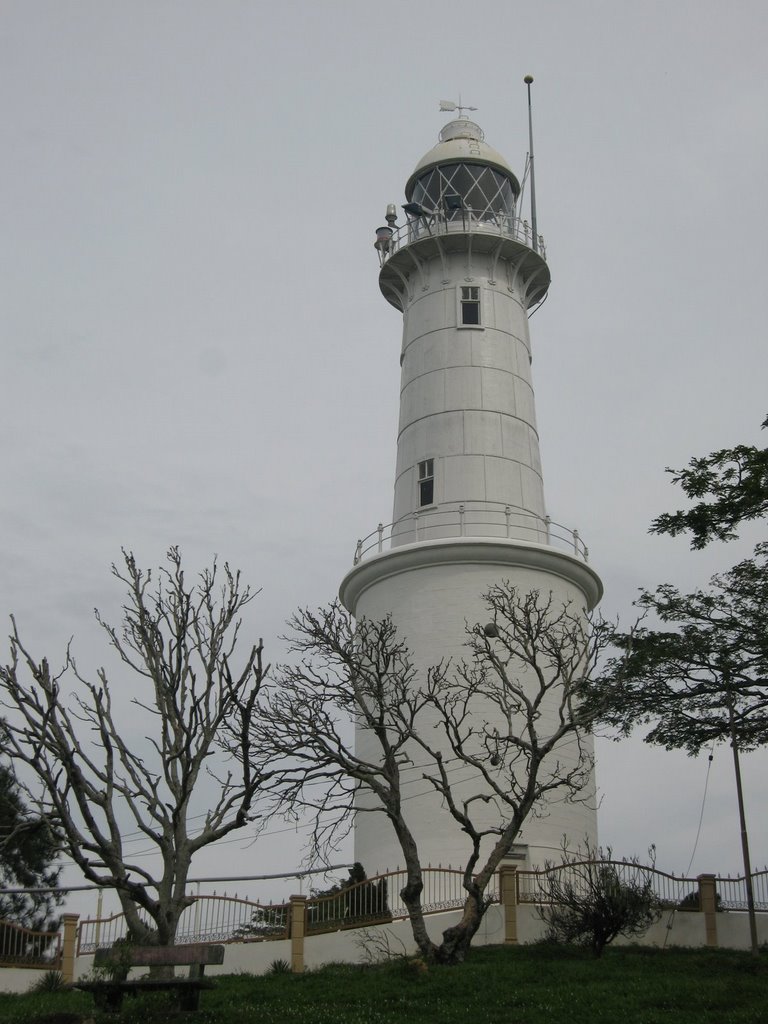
[[227, 918], [211, 918], [377, 901], [23, 947], [733, 892], [440, 223], [670, 890], [472, 519], [234, 919]]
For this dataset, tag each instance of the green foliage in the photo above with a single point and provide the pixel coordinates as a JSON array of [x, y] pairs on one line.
[[279, 967], [356, 899], [691, 901], [498, 985], [51, 981], [113, 964], [28, 853], [266, 921], [734, 484], [593, 902], [704, 681]]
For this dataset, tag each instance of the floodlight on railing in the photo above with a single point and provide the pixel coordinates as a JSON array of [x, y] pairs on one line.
[[417, 210]]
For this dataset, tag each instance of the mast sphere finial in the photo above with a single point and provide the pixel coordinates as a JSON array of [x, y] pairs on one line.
[[528, 79]]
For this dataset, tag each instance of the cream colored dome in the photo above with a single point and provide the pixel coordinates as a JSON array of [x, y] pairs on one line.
[[461, 142]]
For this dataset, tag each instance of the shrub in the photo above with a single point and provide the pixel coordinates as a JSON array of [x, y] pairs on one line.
[[592, 902], [51, 981], [691, 901], [279, 967]]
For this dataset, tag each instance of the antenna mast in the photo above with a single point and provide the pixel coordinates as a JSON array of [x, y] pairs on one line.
[[528, 79]]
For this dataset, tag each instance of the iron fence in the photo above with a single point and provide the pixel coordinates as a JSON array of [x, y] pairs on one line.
[[24, 947], [224, 918], [378, 900], [670, 890], [731, 893], [211, 918]]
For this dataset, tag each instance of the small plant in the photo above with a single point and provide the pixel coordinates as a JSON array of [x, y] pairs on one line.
[[592, 901], [414, 966], [377, 946], [279, 967], [115, 965], [51, 981], [380, 946]]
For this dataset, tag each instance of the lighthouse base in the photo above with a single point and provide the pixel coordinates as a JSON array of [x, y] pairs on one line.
[[434, 591]]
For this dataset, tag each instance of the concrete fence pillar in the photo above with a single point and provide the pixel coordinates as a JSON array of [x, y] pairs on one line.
[[708, 907], [69, 946], [297, 932], [508, 887]]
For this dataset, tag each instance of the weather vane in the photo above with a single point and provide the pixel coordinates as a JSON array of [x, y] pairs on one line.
[[449, 105]]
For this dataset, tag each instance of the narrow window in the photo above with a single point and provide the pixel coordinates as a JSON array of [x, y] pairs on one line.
[[427, 482], [470, 306]]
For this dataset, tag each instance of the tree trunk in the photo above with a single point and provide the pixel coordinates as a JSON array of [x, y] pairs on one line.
[[411, 897], [457, 939]]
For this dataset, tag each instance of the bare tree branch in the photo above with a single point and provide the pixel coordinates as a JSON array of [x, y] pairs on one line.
[[509, 716], [180, 640]]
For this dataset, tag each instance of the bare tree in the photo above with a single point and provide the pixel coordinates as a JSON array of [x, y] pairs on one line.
[[98, 783], [509, 712]]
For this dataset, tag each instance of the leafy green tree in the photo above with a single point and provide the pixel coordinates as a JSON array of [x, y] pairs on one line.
[[729, 487], [29, 849], [704, 680]]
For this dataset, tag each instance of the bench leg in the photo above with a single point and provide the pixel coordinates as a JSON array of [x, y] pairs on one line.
[[110, 1000], [189, 999]]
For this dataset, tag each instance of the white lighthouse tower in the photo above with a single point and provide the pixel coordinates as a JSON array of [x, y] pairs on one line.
[[465, 270]]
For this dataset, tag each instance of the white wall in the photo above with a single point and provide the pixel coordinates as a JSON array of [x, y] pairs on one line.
[[433, 591], [20, 979], [682, 928]]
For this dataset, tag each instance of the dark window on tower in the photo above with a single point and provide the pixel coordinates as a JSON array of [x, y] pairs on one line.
[[470, 306], [427, 482]]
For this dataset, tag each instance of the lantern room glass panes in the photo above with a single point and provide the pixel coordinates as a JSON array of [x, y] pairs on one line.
[[485, 193]]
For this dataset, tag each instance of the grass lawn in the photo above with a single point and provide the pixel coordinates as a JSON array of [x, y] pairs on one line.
[[497, 985]]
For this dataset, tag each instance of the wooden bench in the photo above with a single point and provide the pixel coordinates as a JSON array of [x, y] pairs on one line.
[[108, 993]]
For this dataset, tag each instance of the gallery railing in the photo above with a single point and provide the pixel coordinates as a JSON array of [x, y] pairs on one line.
[[472, 519], [440, 223]]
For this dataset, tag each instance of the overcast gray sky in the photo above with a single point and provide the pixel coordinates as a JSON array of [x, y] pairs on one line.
[[195, 350]]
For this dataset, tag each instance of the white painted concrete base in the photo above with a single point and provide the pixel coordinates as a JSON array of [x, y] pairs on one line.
[[19, 979], [681, 928], [434, 591]]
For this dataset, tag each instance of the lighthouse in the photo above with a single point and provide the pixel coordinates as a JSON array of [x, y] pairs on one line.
[[465, 269]]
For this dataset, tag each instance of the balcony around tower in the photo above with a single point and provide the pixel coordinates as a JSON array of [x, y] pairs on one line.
[[472, 521], [505, 238], [461, 198]]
